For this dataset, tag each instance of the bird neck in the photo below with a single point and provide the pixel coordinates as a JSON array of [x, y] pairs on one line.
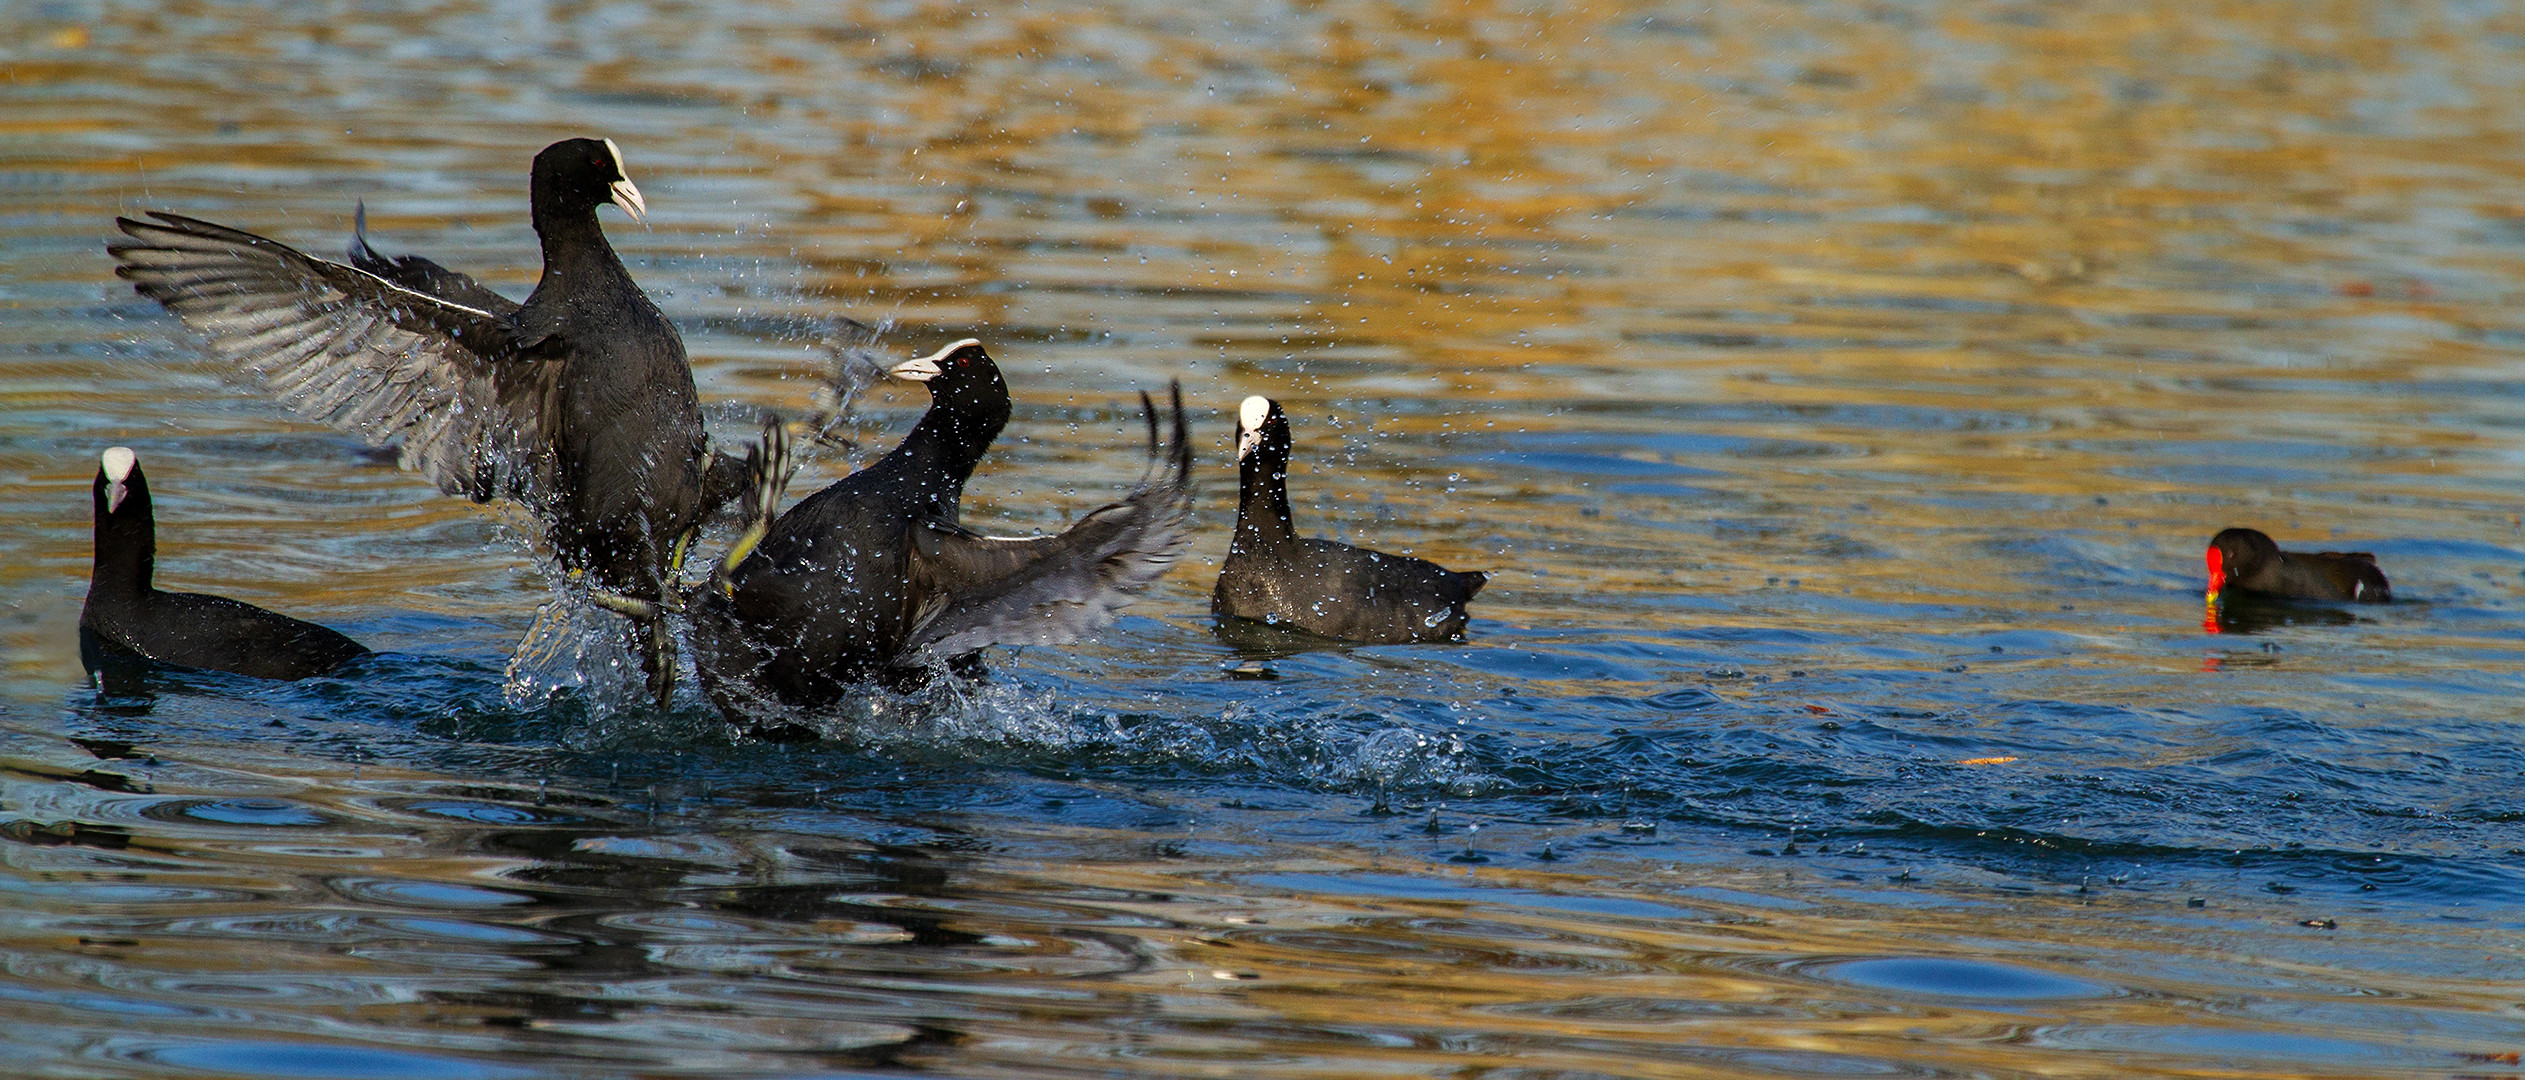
[[1262, 503], [950, 443], [574, 246], [126, 551]]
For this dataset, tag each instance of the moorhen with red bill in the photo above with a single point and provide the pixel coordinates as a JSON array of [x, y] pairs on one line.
[[2244, 561]]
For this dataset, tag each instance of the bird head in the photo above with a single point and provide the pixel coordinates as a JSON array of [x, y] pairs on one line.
[[114, 473], [1259, 422], [587, 173], [2237, 553]]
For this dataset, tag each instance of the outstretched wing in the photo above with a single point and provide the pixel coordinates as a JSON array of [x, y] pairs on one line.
[[421, 275], [1048, 590], [344, 346]]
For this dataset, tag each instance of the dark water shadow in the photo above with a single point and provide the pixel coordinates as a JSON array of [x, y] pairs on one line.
[[2239, 614], [1257, 643]]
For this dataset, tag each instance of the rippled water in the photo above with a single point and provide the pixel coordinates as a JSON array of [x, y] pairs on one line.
[[1840, 395]]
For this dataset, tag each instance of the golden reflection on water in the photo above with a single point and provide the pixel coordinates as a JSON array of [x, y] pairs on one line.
[[2102, 224]]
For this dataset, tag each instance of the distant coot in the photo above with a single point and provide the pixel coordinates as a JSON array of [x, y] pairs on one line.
[[2245, 561], [578, 403], [128, 616], [1274, 576], [873, 579]]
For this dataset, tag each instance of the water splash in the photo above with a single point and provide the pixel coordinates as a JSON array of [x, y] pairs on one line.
[[573, 648]]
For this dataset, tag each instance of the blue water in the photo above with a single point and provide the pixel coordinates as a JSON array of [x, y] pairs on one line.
[[1694, 745]]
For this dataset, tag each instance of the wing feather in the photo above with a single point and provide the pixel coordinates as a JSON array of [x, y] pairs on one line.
[[421, 275], [1050, 590], [337, 344]]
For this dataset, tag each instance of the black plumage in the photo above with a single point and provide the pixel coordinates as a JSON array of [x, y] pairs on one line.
[[422, 275], [874, 578], [127, 615], [2247, 562], [578, 403], [1274, 576]]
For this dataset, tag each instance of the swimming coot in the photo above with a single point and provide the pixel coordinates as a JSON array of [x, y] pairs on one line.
[[128, 616], [578, 403], [1272, 575], [874, 579]]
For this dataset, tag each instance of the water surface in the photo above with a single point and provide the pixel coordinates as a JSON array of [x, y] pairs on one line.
[[1839, 394]]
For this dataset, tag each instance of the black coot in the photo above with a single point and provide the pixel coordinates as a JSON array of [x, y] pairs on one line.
[[1272, 575], [127, 616], [578, 403], [873, 579]]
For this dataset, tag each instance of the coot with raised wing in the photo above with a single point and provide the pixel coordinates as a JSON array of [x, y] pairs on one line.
[[578, 403], [873, 579]]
